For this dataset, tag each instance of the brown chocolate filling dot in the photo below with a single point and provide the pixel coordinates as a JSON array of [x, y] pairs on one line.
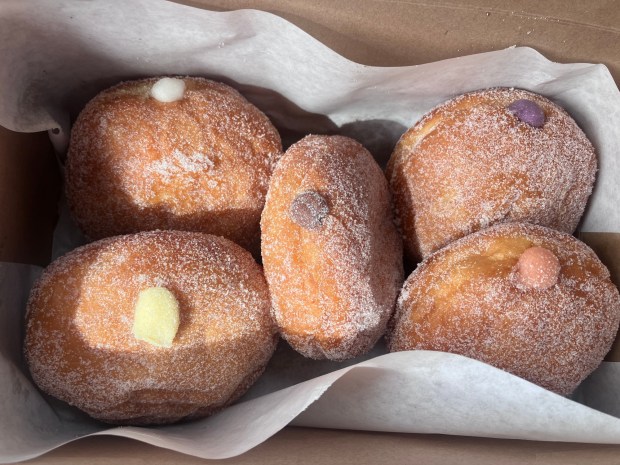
[[309, 210]]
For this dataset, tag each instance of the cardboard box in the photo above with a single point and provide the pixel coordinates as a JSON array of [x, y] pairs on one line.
[[376, 33]]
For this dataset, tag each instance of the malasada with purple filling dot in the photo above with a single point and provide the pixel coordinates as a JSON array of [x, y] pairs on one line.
[[530, 300], [332, 255], [488, 157]]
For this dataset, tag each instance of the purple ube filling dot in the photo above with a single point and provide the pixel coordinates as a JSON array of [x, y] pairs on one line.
[[529, 112]]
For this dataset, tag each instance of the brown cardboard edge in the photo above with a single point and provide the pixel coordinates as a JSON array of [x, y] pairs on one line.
[[402, 33], [302, 446], [29, 193]]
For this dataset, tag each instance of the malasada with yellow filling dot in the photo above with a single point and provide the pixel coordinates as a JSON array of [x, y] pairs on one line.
[[180, 153], [488, 157], [150, 328], [533, 301], [331, 252]]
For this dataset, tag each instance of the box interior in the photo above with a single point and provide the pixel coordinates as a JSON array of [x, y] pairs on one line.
[[375, 33]]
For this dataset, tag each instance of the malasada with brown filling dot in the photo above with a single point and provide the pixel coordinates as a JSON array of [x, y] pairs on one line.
[[331, 252], [489, 157], [530, 300], [150, 328], [180, 153]]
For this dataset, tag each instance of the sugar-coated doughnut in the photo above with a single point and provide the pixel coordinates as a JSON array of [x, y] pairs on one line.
[[488, 157], [172, 153], [150, 328], [524, 298], [331, 252]]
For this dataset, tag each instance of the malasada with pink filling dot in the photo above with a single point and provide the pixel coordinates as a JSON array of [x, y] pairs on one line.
[[527, 299], [489, 157]]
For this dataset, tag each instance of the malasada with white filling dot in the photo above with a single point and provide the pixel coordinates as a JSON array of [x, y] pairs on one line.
[[331, 252], [488, 157], [527, 299], [181, 153], [150, 328]]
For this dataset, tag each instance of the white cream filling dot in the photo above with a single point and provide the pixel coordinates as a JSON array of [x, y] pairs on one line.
[[168, 90]]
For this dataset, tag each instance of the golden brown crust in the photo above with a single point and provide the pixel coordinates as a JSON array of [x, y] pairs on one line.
[[332, 255], [202, 163], [471, 163], [467, 299], [79, 341]]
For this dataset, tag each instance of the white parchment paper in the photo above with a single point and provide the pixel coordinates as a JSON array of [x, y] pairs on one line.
[[55, 55]]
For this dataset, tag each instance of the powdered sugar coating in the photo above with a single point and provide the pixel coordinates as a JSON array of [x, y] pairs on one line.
[[471, 163], [467, 299], [80, 346], [201, 163], [333, 287]]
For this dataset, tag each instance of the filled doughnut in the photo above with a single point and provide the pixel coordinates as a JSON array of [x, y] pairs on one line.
[[533, 301], [489, 157], [150, 328], [172, 153], [331, 252]]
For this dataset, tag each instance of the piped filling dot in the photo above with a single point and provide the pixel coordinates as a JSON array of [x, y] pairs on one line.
[[538, 268], [168, 90], [528, 111], [156, 317], [309, 210]]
